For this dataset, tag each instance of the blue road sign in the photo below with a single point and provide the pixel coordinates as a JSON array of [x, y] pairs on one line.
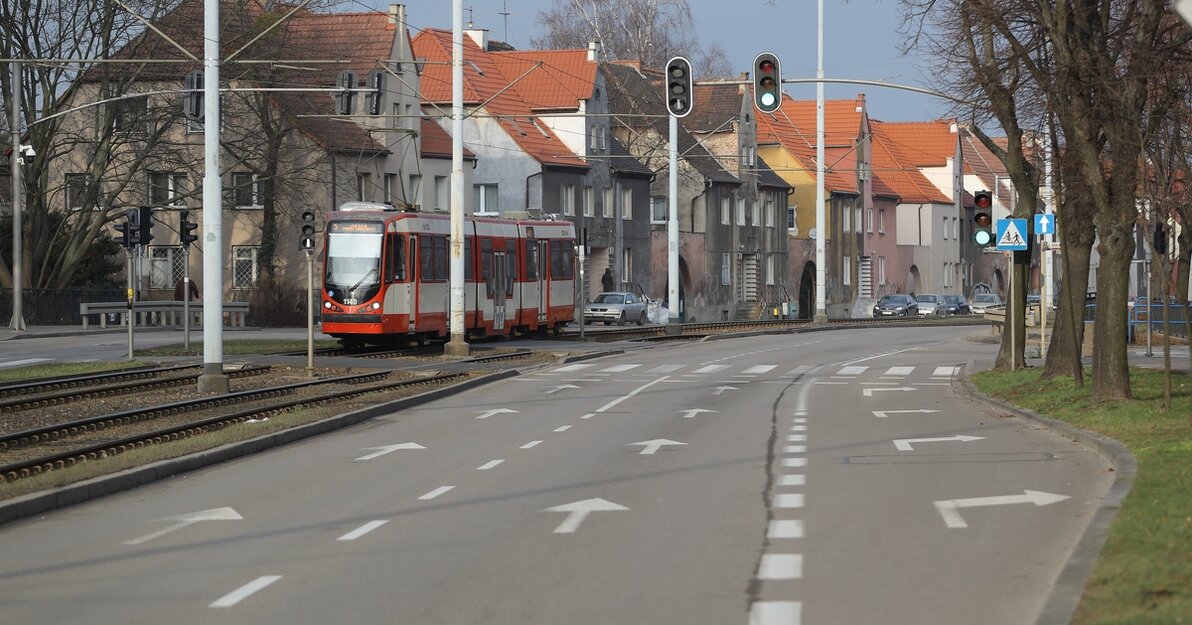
[[1011, 234], [1044, 223]]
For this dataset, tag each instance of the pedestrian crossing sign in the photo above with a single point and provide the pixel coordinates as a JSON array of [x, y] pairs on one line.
[[1011, 234]]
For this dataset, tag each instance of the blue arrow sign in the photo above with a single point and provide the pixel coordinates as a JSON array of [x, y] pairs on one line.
[[1011, 234], [1045, 223]]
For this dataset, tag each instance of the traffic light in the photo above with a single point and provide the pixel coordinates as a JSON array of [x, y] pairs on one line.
[[145, 225], [186, 228], [124, 229], [982, 221], [1160, 239], [767, 83], [679, 86], [345, 99], [376, 89], [307, 240], [132, 226], [192, 96]]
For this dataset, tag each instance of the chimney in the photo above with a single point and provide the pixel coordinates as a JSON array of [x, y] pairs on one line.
[[480, 36], [397, 16], [594, 51]]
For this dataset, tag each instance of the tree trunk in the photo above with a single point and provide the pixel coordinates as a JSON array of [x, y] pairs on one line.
[[1066, 350], [1010, 355], [1111, 372]]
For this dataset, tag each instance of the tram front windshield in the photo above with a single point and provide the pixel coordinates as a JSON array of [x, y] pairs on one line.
[[353, 269]]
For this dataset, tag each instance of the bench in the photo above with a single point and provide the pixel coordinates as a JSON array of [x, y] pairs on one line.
[[161, 313], [997, 317]]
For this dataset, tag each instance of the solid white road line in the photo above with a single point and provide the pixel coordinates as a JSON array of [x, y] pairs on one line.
[[436, 492], [362, 530], [489, 465], [245, 591], [780, 566], [775, 613]]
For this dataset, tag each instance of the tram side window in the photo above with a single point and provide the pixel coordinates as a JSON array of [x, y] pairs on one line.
[[486, 265], [469, 257], [531, 259], [433, 259], [562, 261], [510, 267], [395, 259], [442, 265]]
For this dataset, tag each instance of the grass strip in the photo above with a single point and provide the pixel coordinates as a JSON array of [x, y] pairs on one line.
[[1144, 573]]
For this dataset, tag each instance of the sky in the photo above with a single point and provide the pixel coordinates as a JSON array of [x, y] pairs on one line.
[[861, 41]]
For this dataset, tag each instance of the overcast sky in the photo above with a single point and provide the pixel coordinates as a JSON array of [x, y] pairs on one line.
[[861, 41]]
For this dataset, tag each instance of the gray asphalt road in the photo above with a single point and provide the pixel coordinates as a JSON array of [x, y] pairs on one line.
[[833, 477]]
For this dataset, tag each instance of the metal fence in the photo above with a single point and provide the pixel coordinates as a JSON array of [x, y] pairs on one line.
[[54, 307], [1152, 312]]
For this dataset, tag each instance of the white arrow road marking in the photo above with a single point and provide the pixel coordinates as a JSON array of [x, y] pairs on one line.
[[885, 413], [870, 391], [654, 445], [948, 507], [244, 592], [186, 520], [691, 412], [488, 413], [721, 389], [579, 510], [381, 451], [904, 444], [560, 387]]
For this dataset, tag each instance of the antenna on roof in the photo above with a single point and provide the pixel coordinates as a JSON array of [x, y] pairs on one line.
[[505, 14], [471, 17]]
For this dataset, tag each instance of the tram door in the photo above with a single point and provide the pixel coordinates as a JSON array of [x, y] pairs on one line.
[[496, 286]]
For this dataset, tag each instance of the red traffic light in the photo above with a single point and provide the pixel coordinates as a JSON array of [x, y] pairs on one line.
[[983, 199], [766, 66]]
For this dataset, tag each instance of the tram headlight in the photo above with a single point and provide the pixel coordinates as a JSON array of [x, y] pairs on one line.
[[376, 305]]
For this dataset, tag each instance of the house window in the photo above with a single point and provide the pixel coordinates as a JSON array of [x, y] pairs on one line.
[[956, 227], [244, 267], [364, 187], [869, 220], [881, 269], [881, 221], [165, 266], [769, 201], [411, 120], [246, 190], [441, 196], [567, 199], [846, 221], [130, 115], [76, 191], [484, 199], [740, 211], [770, 269], [725, 210], [947, 275], [167, 188], [726, 268], [608, 210], [857, 218], [754, 214], [846, 276], [626, 264], [390, 181], [626, 203], [659, 209], [791, 224], [589, 201], [415, 197], [397, 120], [945, 227]]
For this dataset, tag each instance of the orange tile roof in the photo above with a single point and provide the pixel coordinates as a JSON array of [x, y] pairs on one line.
[[898, 172], [924, 144], [486, 83], [792, 127], [560, 81], [437, 142]]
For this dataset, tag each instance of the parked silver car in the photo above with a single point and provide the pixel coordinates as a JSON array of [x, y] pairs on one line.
[[984, 301], [932, 305], [616, 306]]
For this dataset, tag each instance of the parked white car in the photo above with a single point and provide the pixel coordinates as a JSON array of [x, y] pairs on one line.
[[984, 301], [931, 305], [616, 307]]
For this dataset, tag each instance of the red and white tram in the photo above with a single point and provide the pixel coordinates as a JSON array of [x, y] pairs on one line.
[[385, 275]]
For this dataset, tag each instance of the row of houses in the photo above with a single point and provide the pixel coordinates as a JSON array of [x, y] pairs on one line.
[[546, 132]]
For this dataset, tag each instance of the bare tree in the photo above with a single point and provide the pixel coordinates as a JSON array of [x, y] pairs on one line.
[[651, 31]]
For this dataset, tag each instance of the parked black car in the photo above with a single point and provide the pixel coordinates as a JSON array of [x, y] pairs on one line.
[[895, 305], [956, 305]]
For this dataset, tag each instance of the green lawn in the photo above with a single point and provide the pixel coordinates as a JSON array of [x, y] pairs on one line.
[[1144, 574]]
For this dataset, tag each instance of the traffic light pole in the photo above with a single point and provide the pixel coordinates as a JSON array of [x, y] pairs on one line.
[[672, 230], [310, 312], [131, 317]]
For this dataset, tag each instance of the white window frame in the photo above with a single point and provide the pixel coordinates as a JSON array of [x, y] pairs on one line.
[[869, 219], [846, 220], [364, 186], [254, 190], [175, 188], [881, 270], [567, 199], [846, 274], [165, 260], [656, 216], [770, 202], [70, 188], [881, 221], [481, 202], [442, 193], [626, 203], [589, 201], [626, 264], [415, 196], [726, 268], [608, 210], [242, 253], [741, 211], [770, 269], [726, 210]]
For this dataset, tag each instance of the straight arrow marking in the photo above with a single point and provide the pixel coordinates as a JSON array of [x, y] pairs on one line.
[[488, 413], [186, 520], [381, 451], [870, 391], [560, 387], [579, 510], [691, 412], [904, 444], [885, 413], [948, 508], [652, 446], [721, 389]]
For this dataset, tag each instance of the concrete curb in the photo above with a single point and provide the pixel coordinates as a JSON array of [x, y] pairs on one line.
[[45, 501], [1069, 586]]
